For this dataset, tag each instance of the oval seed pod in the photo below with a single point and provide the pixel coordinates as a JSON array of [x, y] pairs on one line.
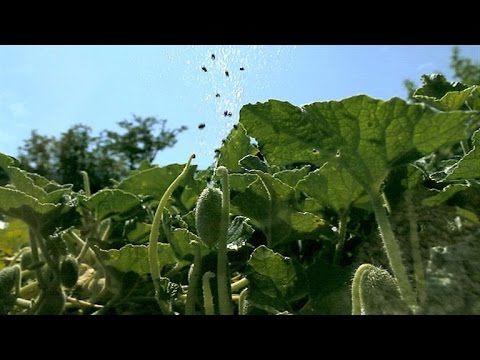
[[208, 215], [51, 302], [26, 260], [69, 272]]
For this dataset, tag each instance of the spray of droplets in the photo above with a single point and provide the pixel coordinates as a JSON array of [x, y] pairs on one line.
[[224, 75]]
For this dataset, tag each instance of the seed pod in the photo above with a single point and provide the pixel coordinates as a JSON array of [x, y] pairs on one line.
[[8, 277], [69, 272], [26, 260], [51, 302], [208, 215]]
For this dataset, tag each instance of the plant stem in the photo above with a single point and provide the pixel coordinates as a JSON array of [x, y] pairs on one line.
[[240, 284], [223, 280], [194, 279], [86, 183], [23, 303], [153, 241], [356, 289], [35, 257], [392, 249], [241, 302], [83, 303], [207, 293], [415, 245], [342, 230]]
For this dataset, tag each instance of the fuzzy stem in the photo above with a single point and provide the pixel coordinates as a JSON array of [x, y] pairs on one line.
[[86, 183], [393, 250], [342, 230], [194, 279], [207, 293], [241, 302], [415, 245], [223, 280], [153, 241], [356, 288], [35, 257]]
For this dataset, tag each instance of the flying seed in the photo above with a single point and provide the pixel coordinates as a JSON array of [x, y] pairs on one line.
[[225, 113], [204, 68], [242, 68], [201, 126], [235, 126], [229, 114], [217, 95], [217, 151], [227, 74], [213, 56]]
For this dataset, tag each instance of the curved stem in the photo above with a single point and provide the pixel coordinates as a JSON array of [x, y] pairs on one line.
[[393, 250], [153, 241], [242, 303], [240, 284], [342, 229], [223, 280], [86, 183], [356, 288], [194, 279], [207, 293]]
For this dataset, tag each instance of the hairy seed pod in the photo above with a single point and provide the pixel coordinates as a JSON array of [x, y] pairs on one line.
[[26, 260], [69, 272], [208, 215], [51, 302]]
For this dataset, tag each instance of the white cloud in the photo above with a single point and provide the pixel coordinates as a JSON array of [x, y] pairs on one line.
[[18, 109]]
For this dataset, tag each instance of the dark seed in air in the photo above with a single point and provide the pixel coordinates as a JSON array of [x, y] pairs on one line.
[[218, 95], [213, 56], [235, 126], [229, 114], [204, 68], [201, 126], [225, 113], [242, 68], [227, 74], [217, 151]]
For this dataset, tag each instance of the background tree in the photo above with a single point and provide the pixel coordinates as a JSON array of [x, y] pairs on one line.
[[111, 155], [464, 69]]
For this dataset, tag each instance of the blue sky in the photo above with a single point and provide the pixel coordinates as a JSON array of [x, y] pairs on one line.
[[50, 88]]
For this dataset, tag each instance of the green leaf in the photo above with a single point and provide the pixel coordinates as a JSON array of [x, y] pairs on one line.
[[274, 211], [251, 162], [274, 281], [468, 168], [180, 243], [329, 289], [236, 146], [20, 205], [239, 232], [135, 258], [14, 236], [332, 186], [139, 233], [441, 196], [368, 136], [108, 202], [436, 86], [154, 181], [292, 177]]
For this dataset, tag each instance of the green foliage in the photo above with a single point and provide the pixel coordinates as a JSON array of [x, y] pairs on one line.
[[299, 214], [110, 155]]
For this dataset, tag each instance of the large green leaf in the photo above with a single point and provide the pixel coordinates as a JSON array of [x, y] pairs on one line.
[[468, 168], [274, 281], [368, 136], [270, 205], [239, 232], [292, 177], [153, 181], [436, 86], [332, 186], [135, 258], [110, 202], [236, 146]]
